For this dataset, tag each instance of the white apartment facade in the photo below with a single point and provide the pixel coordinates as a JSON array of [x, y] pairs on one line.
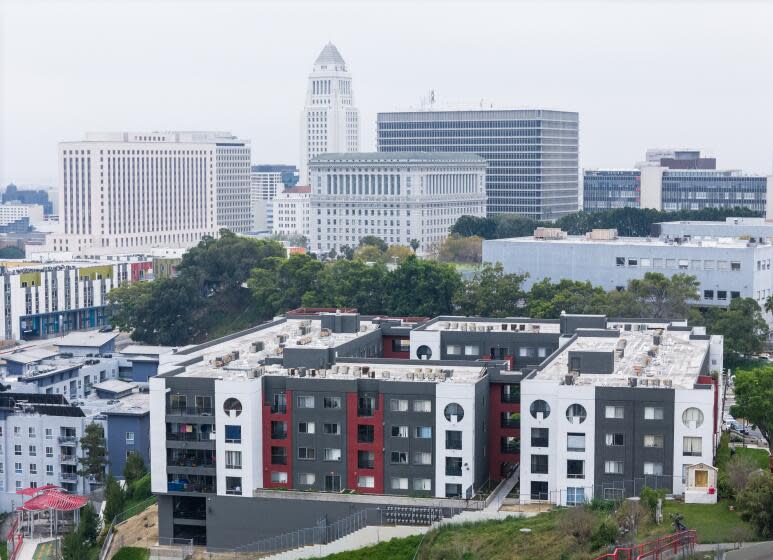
[[264, 187], [291, 211], [11, 212], [330, 122], [398, 197], [130, 191]]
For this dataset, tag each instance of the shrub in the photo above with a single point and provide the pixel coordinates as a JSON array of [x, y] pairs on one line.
[[605, 506], [723, 451], [578, 522], [140, 489], [755, 503], [649, 498], [604, 534]]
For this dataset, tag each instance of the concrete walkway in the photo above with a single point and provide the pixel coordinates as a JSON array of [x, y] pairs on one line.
[[503, 490], [28, 548]]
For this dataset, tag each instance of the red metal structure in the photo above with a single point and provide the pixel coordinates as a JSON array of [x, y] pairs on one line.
[[664, 547]]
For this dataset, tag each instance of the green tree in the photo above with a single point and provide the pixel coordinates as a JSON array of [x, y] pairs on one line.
[[474, 226], [375, 241], [347, 252], [94, 458], [284, 283], [743, 326], [133, 469], [665, 298], [397, 254], [755, 502], [114, 499], [88, 526], [352, 283], [369, 253], [414, 244], [73, 546], [456, 249], [547, 300], [513, 225], [491, 293], [754, 400], [420, 287]]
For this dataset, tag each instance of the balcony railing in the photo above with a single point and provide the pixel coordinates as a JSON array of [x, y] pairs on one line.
[[511, 398], [191, 462], [180, 486], [278, 409], [188, 436], [279, 435], [366, 464], [453, 471], [364, 411], [511, 423], [68, 476], [189, 411], [509, 449], [68, 440], [68, 459]]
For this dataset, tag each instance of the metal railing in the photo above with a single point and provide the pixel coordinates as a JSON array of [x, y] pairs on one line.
[[119, 518], [189, 411], [188, 436], [68, 440], [681, 542]]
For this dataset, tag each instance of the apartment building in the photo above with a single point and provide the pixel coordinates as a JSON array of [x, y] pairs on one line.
[[397, 197], [618, 409], [291, 211], [265, 182], [725, 267]]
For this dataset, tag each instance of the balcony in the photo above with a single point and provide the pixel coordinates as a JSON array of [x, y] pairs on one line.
[[183, 486], [191, 461], [364, 411], [68, 459], [279, 434], [278, 408], [509, 449], [189, 436], [453, 471], [511, 422], [68, 476], [511, 398], [189, 411], [68, 440]]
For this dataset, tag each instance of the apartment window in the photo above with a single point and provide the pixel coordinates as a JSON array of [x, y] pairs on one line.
[[49, 452], [424, 432], [401, 345], [653, 413], [709, 265], [734, 295], [331, 454], [575, 468], [398, 405], [307, 453], [510, 420], [453, 439], [400, 431], [233, 459], [331, 402], [620, 261], [453, 466], [49, 470], [735, 266], [511, 393], [399, 483], [722, 295], [304, 401], [233, 434], [17, 431], [616, 412], [366, 459], [539, 437], [653, 440], [400, 457], [708, 294], [233, 485], [278, 429], [17, 467], [422, 484], [366, 482], [633, 262], [306, 479], [130, 438], [422, 458], [470, 350], [615, 440], [365, 433], [575, 496], [575, 442], [31, 431], [331, 429], [539, 464], [692, 447], [366, 406], [576, 414], [49, 433], [306, 427], [17, 449], [613, 467], [539, 409], [422, 406], [453, 349], [279, 477], [692, 418], [279, 455], [653, 468], [509, 444]]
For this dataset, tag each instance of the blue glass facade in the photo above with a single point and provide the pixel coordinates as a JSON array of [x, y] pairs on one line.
[[696, 190], [532, 155], [609, 189]]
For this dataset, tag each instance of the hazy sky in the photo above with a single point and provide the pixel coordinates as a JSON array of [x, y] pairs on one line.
[[641, 74]]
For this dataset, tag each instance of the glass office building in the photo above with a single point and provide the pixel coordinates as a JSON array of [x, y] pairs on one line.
[[532, 155], [606, 189], [696, 190]]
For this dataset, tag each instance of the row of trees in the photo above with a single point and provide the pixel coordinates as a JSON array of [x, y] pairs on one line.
[[629, 222]]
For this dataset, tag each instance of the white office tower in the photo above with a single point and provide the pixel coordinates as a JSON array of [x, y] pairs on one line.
[[330, 122], [291, 211], [263, 189], [130, 191]]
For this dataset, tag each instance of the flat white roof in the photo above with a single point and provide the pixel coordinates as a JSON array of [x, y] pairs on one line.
[[695, 241], [466, 324], [146, 350], [86, 338]]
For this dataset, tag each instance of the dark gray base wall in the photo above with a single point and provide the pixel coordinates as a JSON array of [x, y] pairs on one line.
[[233, 521]]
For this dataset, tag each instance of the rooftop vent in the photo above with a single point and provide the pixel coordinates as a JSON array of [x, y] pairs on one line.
[[601, 234], [549, 233]]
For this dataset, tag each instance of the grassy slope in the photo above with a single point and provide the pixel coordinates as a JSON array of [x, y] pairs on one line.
[[132, 553], [759, 456], [395, 549]]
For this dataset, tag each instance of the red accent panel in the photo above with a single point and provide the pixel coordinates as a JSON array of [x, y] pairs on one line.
[[495, 456], [353, 446], [389, 353], [139, 270], [268, 443]]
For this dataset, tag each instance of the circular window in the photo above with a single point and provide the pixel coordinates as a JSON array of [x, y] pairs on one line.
[[454, 412], [576, 413], [232, 407], [692, 417], [424, 352], [539, 407]]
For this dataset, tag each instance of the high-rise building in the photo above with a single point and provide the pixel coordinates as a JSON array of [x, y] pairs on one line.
[[678, 159], [399, 197], [291, 211], [265, 182], [532, 155], [330, 121], [14, 194], [137, 190]]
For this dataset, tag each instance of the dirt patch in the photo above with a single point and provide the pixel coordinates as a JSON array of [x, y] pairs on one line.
[[140, 530]]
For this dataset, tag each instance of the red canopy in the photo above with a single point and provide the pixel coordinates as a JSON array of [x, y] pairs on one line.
[[55, 499], [33, 491]]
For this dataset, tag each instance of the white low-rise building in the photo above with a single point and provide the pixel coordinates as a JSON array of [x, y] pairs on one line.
[[291, 211]]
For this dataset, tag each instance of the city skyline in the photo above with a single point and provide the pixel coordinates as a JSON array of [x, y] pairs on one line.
[[247, 73]]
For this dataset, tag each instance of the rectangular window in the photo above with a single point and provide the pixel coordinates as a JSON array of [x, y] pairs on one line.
[[422, 484], [575, 496], [33, 451], [722, 295], [400, 431], [17, 449], [422, 458], [709, 265], [735, 265], [653, 413], [615, 440], [616, 412], [539, 464], [49, 470], [653, 468], [575, 468], [279, 477], [306, 479], [331, 454], [575, 442], [422, 406], [653, 440], [692, 447], [620, 261], [49, 433], [471, 350], [306, 427], [424, 432], [453, 466], [398, 405], [613, 467], [304, 401], [401, 345], [708, 294], [233, 434], [399, 457], [17, 468], [453, 439], [307, 453], [130, 438], [17, 431], [454, 349], [278, 429], [366, 459], [31, 431], [366, 482], [279, 455], [734, 295], [399, 483], [365, 433], [331, 429], [233, 485], [49, 451], [633, 262], [539, 437], [233, 459], [331, 402]]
